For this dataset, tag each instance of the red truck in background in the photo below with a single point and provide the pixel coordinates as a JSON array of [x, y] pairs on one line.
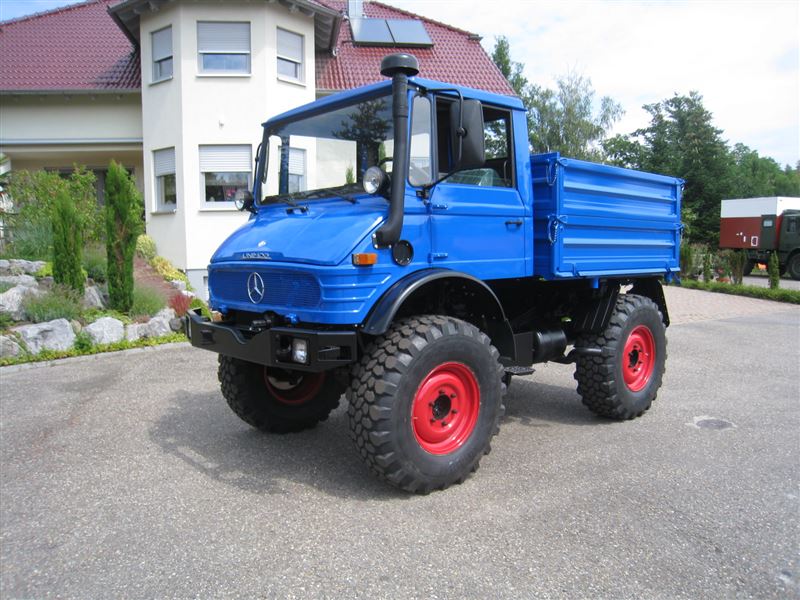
[[761, 226]]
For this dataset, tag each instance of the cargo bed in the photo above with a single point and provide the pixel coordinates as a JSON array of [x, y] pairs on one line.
[[593, 220]]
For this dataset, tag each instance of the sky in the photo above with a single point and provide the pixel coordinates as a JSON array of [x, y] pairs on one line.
[[742, 56]]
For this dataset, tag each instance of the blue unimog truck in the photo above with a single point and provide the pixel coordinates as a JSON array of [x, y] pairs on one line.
[[426, 259]]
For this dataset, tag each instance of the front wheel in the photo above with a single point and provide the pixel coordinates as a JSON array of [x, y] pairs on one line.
[[425, 401], [622, 382], [277, 400]]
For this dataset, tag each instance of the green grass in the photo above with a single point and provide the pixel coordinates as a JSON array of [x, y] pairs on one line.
[[59, 303], [4, 287], [84, 350], [95, 263], [751, 291]]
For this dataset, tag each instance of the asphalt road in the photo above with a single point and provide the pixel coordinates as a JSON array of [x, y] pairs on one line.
[[127, 476]]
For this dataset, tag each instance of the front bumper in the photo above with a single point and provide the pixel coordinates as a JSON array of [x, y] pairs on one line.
[[272, 347]]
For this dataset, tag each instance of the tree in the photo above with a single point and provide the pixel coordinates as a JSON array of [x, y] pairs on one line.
[[561, 120], [123, 225], [67, 242]]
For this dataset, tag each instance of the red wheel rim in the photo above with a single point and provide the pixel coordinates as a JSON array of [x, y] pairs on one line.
[[445, 408], [293, 394], [638, 358]]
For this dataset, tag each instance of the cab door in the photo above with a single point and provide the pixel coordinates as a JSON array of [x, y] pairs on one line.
[[477, 216]]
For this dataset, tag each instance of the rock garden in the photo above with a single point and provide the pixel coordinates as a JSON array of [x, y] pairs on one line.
[[65, 289]]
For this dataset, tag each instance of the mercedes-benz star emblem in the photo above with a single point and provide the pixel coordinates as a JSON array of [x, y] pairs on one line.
[[255, 288]]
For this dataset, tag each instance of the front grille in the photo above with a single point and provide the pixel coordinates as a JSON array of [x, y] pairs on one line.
[[281, 288]]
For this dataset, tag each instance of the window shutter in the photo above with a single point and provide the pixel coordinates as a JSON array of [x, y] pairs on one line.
[[223, 37], [164, 161], [297, 161], [223, 159], [162, 44], [290, 45]]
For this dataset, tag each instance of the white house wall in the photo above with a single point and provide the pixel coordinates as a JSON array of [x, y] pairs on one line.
[[194, 109]]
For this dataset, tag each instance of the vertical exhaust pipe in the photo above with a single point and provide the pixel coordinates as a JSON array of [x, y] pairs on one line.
[[399, 67]]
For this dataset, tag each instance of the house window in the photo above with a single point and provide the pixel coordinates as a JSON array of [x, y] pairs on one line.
[[164, 170], [224, 170], [223, 48], [297, 170], [290, 55], [162, 54]]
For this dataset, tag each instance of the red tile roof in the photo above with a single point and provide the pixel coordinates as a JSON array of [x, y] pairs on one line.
[[77, 47], [456, 56]]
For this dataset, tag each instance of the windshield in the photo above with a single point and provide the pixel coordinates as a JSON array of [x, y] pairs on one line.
[[327, 154]]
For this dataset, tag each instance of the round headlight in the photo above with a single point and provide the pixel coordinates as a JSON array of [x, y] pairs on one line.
[[374, 178]]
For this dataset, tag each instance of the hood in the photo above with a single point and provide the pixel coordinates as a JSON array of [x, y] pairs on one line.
[[325, 234]]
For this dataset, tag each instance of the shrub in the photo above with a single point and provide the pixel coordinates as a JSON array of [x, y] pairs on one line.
[[180, 303], [67, 243], [5, 321], [708, 267], [95, 263], [31, 239], [197, 303], [59, 303], [146, 247], [774, 271], [123, 225], [166, 269], [737, 259], [146, 302], [83, 342], [779, 295]]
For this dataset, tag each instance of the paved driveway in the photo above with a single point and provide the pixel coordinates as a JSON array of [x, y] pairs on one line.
[[127, 476]]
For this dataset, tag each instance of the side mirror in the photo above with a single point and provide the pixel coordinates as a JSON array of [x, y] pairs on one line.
[[466, 125], [243, 200]]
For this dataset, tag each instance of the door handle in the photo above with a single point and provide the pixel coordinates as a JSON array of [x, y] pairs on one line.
[[514, 222]]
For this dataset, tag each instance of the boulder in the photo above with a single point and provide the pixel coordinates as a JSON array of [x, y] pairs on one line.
[[134, 331], [9, 347], [11, 301], [156, 327], [31, 267], [76, 326], [26, 280], [52, 335], [5, 266], [92, 298], [165, 313], [176, 324], [188, 294], [178, 284], [106, 330]]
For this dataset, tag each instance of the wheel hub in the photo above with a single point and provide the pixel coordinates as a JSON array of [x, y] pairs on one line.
[[445, 408], [638, 358]]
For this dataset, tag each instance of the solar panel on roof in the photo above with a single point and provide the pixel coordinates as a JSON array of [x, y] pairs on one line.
[[407, 32], [371, 32]]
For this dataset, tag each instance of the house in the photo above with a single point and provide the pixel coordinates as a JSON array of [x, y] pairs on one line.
[[176, 91]]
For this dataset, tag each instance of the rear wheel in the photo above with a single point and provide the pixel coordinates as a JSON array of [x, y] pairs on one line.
[[623, 381], [425, 400], [793, 266], [748, 267], [277, 400]]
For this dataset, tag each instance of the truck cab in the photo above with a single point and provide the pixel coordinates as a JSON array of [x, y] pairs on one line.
[[420, 259]]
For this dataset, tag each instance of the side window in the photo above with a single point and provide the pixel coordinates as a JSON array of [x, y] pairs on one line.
[[419, 164], [162, 54], [497, 171], [164, 171], [791, 225], [290, 55]]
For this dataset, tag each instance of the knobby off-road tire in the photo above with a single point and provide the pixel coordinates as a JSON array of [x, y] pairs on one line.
[[623, 382], [425, 401], [748, 267], [274, 400]]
